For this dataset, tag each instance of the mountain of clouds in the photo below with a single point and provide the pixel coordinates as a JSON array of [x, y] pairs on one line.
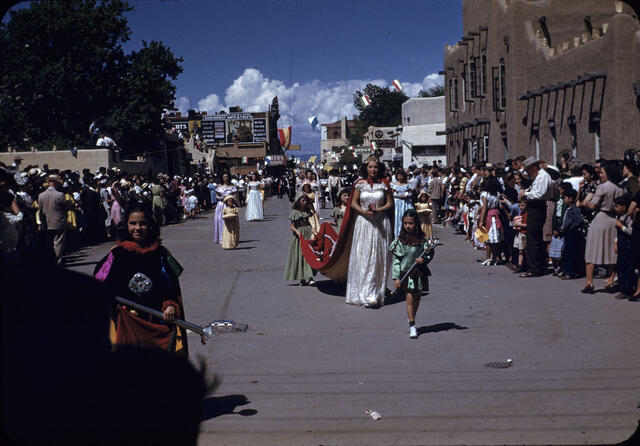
[[329, 101]]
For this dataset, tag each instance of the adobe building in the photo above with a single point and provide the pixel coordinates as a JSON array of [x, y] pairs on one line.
[[423, 125], [335, 134], [543, 78]]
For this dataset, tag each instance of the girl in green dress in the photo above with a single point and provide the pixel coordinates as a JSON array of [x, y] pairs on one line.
[[338, 211], [407, 249], [297, 267]]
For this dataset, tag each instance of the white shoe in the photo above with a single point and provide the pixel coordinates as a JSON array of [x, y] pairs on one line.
[[413, 332], [486, 263]]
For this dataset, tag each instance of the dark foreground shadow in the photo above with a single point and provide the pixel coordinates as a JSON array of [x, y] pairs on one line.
[[216, 406], [246, 241], [443, 326], [332, 288], [244, 247]]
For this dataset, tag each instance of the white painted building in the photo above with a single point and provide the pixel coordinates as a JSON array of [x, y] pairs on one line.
[[421, 119]]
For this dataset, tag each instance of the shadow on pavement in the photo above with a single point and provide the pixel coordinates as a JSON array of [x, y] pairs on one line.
[[443, 326], [216, 406], [246, 241], [332, 288]]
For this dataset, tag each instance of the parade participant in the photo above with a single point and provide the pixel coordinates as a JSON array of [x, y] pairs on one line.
[[370, 258], [140, 269], [297, 267], [338, 211], [315, 220], [401, 199], [254, 211], [407, 249], [224, 189], [231, 231], [423, 208], [156, 201], [311, 177]]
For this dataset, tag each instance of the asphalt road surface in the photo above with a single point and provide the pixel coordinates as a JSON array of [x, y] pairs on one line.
[[310, 366]]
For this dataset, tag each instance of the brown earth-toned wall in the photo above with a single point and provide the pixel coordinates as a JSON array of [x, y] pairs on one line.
[[511, 30]]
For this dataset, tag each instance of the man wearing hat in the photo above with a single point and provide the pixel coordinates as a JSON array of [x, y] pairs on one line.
[[537, 196], [53, 211]]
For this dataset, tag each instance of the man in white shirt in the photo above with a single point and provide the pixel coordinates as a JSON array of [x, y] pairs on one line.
[[537, 196]]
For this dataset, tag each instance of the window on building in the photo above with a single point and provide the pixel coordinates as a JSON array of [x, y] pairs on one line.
[[503, 89], [499, 89], [453, 94], [471, 87], [481, 77]]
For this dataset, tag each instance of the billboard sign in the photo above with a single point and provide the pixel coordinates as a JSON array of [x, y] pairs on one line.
[[233, 127]]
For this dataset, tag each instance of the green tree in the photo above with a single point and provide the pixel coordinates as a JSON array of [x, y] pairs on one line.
[[436, 90], [385, 110], [64, 65]]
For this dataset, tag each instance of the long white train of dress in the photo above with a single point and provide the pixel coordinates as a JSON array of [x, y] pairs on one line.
[[370, 258], [254, 202]]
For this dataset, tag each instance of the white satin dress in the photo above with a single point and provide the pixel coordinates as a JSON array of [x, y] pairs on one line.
[[254, 202], [370, 258]]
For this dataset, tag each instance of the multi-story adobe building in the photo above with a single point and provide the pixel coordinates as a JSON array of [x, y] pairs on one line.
[[543, 78], [335, 134]]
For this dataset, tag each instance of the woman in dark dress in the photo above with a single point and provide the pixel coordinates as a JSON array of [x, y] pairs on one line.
[[140, 269]]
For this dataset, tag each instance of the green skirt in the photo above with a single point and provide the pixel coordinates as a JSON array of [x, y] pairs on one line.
[[297, 267]]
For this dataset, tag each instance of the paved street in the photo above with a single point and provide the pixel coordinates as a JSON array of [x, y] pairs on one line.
[[310, 365]]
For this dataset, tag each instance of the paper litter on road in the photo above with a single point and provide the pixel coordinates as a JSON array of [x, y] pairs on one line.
[[373, 414], [500, 364]]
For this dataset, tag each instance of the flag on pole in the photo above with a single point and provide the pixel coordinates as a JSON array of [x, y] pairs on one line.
[[351, 148], [398, 85], [285, 137], [366, 100], [313, 122], [245, 160], [374, 146]]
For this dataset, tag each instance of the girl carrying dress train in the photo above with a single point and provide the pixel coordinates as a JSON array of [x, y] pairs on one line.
[[314, 219], [297, 267]]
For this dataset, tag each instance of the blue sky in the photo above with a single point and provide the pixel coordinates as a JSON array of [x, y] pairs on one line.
[[312, 54]]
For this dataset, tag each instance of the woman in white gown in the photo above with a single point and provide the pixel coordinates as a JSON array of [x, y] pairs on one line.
[[370, 257], [254, 199]]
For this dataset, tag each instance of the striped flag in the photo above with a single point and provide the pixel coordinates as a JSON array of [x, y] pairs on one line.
[[245, 160], [397, 84], [351, 148], [366, 100], [374, 146], [285, 137]]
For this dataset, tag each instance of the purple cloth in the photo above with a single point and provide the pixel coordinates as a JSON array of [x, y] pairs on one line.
[[102, 274], [218, 223]]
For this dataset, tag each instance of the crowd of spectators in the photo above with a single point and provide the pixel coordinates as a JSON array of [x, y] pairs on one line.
[[59, 211], [575, 218]]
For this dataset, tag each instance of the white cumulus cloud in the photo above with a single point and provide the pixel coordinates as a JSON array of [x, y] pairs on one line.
[[329, 101]]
